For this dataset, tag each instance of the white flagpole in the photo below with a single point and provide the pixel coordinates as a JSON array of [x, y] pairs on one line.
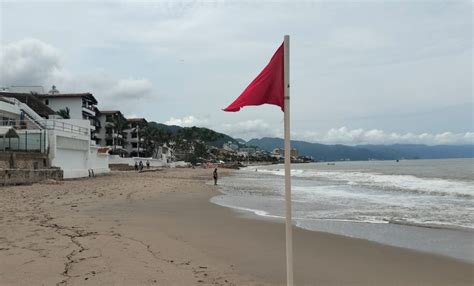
[[288, 225]]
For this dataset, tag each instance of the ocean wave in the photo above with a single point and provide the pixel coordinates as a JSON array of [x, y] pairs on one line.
[[218, 201], [431, 186], [301, 221]]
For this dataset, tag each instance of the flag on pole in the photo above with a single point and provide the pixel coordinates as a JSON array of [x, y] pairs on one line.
[[272, 86], [267, 87]]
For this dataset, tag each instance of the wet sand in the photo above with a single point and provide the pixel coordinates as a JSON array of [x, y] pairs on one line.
[[160, 229]]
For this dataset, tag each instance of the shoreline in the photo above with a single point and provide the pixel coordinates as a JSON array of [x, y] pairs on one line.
[[161, 229], [355, 230]]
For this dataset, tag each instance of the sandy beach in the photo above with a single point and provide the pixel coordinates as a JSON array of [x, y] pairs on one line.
[[159, 228]]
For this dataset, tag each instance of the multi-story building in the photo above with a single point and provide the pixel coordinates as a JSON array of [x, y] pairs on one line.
[[66, 142], [134, 143], [110, 134], [280, 153], [230, 146], [79, 106], [246, 151]]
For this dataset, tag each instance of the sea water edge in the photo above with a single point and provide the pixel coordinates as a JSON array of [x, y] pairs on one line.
[[425, 205]]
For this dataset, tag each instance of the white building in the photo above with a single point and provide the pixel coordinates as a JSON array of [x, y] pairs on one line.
[[82, 106], [66, 141], [134, 143], [280, 152], [108, 135], [230, 146], [246, 151]]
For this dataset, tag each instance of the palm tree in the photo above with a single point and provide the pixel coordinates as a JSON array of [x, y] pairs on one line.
[[154, 138], [64, 113], [120, 124]]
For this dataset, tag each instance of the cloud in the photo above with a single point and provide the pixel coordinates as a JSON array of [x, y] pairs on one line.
[[127, 88], [357, 39], [123, 94], [359, 136], [249, 129], [33, 62], [188, 121], [28, 62]]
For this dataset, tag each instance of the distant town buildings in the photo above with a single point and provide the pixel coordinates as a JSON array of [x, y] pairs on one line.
[[111, 133], [135, 143], [280, 152], [230, 146]]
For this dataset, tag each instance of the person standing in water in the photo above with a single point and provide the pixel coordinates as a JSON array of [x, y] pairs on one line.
[[215, 176]]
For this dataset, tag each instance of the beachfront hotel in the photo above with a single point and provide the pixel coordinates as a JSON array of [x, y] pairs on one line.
[[38, 139], [135, 143], [111, 134], [70, 132], [81, 106]]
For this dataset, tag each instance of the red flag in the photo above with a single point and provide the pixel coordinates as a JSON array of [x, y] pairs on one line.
[[267, 87]]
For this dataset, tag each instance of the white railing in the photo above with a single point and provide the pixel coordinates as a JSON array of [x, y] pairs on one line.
[[30, 113], [40, 122], [52, 124], [46, 124]]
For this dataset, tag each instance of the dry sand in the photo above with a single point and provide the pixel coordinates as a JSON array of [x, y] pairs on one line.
[[159, 228]]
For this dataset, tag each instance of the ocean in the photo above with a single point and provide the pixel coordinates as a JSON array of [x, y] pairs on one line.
[[426, 205]]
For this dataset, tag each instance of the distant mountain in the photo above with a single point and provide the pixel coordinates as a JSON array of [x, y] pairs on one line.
[[241, 141], [366, 152], [328, 152], [423, 151], [209, 136], [173, 129]]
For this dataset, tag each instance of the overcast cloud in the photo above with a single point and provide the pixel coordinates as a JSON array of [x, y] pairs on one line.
[[361, 72]]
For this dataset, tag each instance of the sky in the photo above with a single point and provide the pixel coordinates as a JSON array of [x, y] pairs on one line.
[[377, 72]]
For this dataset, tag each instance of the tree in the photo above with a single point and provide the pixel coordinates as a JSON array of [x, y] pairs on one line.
[[154, 138], [64, 113], [120, 124]]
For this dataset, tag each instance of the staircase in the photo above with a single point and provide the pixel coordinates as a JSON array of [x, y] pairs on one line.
[[29, 113]]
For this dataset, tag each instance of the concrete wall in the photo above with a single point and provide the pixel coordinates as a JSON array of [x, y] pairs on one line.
[[23, 177], [73, 103], [98, 162], [17, 168], [115, 159], [23, 160], [74, 154]]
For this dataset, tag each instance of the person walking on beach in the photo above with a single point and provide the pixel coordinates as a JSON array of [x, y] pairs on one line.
[[140, 166], [136, 166], [215, 176], [147, 164]]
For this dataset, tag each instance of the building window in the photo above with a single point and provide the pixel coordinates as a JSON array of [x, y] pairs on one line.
[[108, 142], [134, 145], [46, 101], [108, 130], [134, 135], [108, 118]]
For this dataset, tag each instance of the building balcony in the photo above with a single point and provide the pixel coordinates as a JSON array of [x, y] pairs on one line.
[[114, 135], [136, 139], [88, 110], [137, 149]]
